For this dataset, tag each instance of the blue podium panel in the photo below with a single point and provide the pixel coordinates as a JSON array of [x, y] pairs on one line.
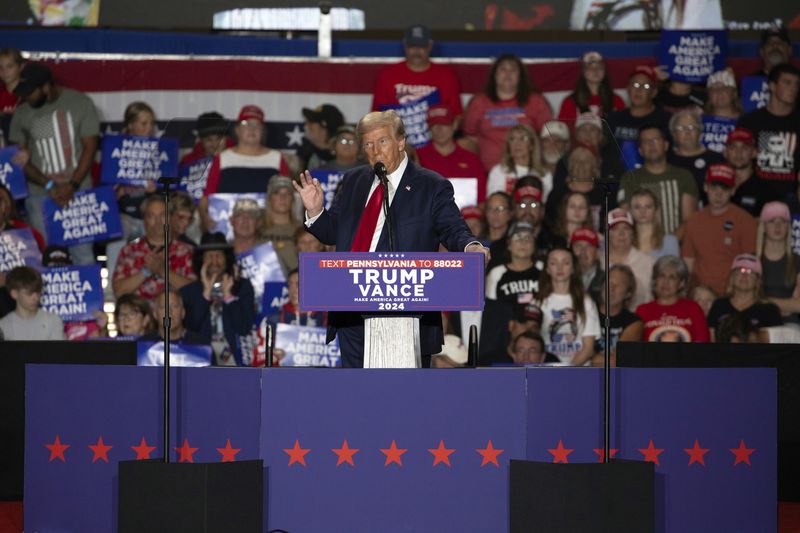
[[71, 475], [711, 431], [432, 479]]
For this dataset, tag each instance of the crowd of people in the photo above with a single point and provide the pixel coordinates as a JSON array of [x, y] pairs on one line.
[[700, 242]]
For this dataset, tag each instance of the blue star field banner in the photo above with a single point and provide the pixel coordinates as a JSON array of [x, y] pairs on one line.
[[92, 215], [194, 177], [220, 208], [755, 93], [72, 292], [11, 174], [329, 180], [692, 56], [306, 346], [18, 248], [389, 442], [260, 265], [415, 118], [131, 160], [184, 355], [715, 132]]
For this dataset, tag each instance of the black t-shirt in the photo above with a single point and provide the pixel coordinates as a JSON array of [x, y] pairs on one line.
[[752, 195], [775, 283], [546, 240], [619, 322], [625, 127], [778, 158], [697, 165], [674, 102], [513, 285], [760, 315]]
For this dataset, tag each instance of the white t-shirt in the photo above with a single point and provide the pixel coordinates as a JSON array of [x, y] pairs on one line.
[[502, 179], [563, 330], [45, 326]]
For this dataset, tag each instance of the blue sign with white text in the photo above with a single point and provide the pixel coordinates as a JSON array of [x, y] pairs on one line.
[[72, 292], [92, 215], [131, 160], [715, 132], [276, 293], [692, 56], [260, 265], [305, 346], [329, 180], [152, 354], [755, 93], [11, 174], [18, 247], [194, 177], [415, 117]]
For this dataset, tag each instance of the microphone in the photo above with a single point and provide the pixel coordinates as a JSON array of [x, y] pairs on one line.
[[472, 352], [380, 171]]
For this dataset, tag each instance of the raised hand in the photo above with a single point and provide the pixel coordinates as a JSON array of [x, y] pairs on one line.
[[311, 193]]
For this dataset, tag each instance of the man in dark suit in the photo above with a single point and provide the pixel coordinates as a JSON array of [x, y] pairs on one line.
[[424, 214]]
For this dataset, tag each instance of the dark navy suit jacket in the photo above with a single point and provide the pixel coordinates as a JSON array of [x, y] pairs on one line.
[[424, 214]]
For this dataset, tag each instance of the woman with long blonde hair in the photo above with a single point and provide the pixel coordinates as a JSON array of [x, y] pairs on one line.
[[780, 264], [649, 236], [522, 156]]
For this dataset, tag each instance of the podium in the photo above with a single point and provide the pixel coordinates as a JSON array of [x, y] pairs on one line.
[[391, 290]]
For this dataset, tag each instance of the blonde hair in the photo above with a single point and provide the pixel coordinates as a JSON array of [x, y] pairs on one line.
[[761, 241], [535, 166], [381, 119], [658, 227]]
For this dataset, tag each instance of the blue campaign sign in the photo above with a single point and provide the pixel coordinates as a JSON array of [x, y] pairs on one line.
[[220, 208], [381, 281], [631, 155], [260, 265], [276, 293], [796, 234], [92, 215], [72, 292], [18, 248], [715, 132], [329, 180], [415, 117], [305, 346], [755, 93], [11, 174], [194, 177], [130, 160], [152, 354], [692, 56]]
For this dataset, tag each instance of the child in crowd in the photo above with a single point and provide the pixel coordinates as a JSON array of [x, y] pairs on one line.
[[28, 322]]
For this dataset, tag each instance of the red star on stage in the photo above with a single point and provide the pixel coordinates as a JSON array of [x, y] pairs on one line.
[[601, 453], [345, 454], [742, 453], [186, 452], [560, 453], [228, 453], [57, 449], [441, 454], [651, 453], [143, 451], [489, 454], [297, 454], [100, 450], [696, 453], [393, 454]]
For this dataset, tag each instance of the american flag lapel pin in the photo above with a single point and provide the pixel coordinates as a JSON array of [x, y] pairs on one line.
[[408, 188]]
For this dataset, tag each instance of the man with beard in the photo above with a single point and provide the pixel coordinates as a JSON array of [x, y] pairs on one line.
[[775, 49], [740, 152], [57, 131]]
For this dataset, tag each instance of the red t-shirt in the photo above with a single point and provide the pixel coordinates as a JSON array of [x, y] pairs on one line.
[[398, 84], [569, 112], [682, 321], [460, 163], [489, 122], [8, 101]]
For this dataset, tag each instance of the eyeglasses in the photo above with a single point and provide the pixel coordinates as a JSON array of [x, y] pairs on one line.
[[129, 314], [688, 127], [498, 209], [347, 141], [638, 85], [528, 205], [522, 237], [519, 138]]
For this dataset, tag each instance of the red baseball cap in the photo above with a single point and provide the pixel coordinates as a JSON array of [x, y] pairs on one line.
[[440, 114], [585, 235], [528, 190], [721, 173], [742, 135], [619, 216], [646, 71], [472, 211], [251, 112]]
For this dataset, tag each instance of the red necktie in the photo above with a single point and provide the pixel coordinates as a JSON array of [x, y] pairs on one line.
[[369, 219]]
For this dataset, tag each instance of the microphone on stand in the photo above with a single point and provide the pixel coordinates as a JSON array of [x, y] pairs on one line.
[[380, 171]]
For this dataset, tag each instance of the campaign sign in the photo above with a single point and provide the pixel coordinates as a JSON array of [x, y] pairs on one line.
[[276, 293], [220, 208], [631, 155], [72, 292], [131, 160], [415, 117], [194, 177], [18, 248], [715, 132], [92, 215], [329, 180], [398, 281], [305, 346], [260, 265], [692, 56], [755, 93], [796, 234], [11, 174], [151, 353], [465, 191]]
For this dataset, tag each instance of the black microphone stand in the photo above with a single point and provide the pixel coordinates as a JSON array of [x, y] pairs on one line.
[[380, 171]]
